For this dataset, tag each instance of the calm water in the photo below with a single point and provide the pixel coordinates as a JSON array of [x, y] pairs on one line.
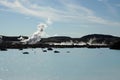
[[79, 64]]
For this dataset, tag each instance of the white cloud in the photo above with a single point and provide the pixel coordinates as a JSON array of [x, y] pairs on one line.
[[70, 13]]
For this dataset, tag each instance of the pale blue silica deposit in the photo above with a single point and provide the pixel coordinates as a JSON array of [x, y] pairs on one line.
[[69, 64]]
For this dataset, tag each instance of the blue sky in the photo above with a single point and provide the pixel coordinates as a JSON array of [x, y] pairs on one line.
[[73, 18]]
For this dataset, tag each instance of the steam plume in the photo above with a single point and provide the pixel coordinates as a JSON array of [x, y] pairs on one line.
[[36, 36], [49, 22]]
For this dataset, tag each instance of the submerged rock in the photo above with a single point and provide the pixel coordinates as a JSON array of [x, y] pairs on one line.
[[56, 51], [21, 49], [25, 52], [44, 50], [68, 51], [50, 49]]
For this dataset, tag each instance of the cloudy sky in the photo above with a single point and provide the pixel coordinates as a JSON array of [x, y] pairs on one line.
[[73, 18]]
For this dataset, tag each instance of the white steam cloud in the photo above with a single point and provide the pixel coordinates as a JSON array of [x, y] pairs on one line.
[[36, 36], [49, 22]]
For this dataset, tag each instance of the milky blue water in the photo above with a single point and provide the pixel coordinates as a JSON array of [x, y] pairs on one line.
[[78, 64]]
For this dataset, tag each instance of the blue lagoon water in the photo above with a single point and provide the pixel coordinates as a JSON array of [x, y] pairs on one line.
[[77, 64]]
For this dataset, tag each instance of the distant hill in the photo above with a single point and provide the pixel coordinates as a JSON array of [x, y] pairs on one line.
[[100, 38], [91, 40], [12, 38], [57, 39]]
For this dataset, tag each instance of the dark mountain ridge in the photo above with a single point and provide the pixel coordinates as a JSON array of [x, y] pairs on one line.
[[88, 40], [99, 38]]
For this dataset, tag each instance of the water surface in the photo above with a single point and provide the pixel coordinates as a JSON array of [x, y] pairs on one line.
[[78, 64]]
